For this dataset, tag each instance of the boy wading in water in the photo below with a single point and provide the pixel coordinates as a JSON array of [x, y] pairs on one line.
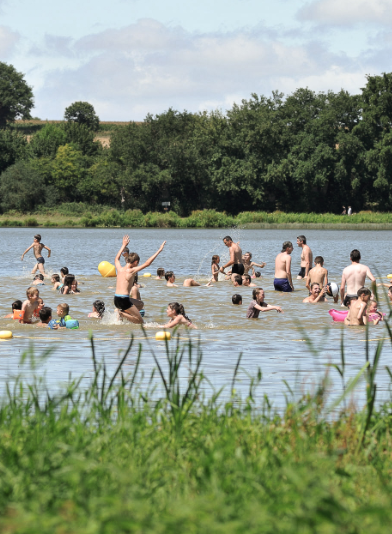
[[357, 312], [125, 281], [37, 247]]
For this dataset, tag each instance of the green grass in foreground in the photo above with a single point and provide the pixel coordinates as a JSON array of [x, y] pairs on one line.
[[83, 215], [116, 458]]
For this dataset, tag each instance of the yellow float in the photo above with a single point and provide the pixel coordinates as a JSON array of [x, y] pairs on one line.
[[147, 275], [106, 269], [7, 334], [162, 336], [389, 276]]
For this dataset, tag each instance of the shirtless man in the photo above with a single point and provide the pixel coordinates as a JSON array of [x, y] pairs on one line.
[[37, 247], [125, 281], [306, 257], [357, 311], [317, 275], [354, 276], [316, 294], [235, 261], [283, 280]]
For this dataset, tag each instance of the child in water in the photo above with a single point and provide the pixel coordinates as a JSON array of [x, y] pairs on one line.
[[68, 281], [169, 275], [160, 274], [372, 310], [98, 309], [74, 287], [258, 305], [236, 299], [250, 265], [17, 305], [56, 282], [39, 308], [215, 260], [45, 316], [29, 305], [38, 280], [177, 316]]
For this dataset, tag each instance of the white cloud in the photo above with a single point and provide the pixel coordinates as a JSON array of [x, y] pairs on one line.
[[347, 12], [8, 41]]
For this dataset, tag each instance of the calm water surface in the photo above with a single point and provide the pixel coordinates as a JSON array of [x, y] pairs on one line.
[[274, 342]]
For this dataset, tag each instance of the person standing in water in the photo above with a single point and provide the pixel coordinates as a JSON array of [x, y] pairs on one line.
[[354, 276], [235, 261], [125, 281], [306, 258], [37, 247], [283, 279]]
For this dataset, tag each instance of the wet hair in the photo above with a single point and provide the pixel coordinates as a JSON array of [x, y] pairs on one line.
[[250, 254], [355, 255], [17, 305], [247, 277], [75, 282], [314, 284], [256, 291], [39, 277], [133, 256], [99, 305], [257, 274], [64, 307], [347, 300], [227, 238], [390, 289], [319, 259], [238, 279], [214, 259], [286, 245], [68, 279], [64, 270], [179, 309], [160, 271], [37, 237], [126, 249], [45, 314], [302, 238], [168, 275], [364, 291], [56, 277], [31, 291], [236, 299]]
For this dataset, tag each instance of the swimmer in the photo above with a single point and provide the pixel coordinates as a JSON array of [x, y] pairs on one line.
[[170, 277], [372, 310], [250, 265], [37, 247], [45, 316], [74, 287], [235, 261], [38, 280], [39, 307], [98, 309], [177, 316], [306, 257], [215, 260], [56, 282], [247, 281], [258, 305], [125, 281], [125, 254], [16, 305], [316, 294], [237, 280], [160, 274], [283, 280], [354, 276], [135, 295], [30, 305], [190, 282], [357, 311], [317, 275], [68, 281], [257, 274], [236, 299]]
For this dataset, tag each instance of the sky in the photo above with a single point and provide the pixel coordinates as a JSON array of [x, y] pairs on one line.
[[133, 57]]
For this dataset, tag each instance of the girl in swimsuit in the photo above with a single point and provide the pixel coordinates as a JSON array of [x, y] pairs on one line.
[[98, 309], [215, 267], [68, 281], [250, 265], [177, 316]]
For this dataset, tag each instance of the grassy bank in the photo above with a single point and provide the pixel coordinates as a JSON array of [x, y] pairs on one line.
[[117, 458], [85, 216]]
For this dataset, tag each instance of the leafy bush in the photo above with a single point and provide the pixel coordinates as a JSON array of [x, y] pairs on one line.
[[21, 188]]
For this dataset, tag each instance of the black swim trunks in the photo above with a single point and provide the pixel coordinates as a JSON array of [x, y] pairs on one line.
[[237, 268], [41, 260], [302, 272], [122, 302]]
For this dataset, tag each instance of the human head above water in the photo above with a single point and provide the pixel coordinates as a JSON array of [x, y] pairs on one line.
[[302, 239], [45, 314], [355, 256], [99, 307], [227, 240], [38, 237], [364, 291], [178, 308], [64, 270], [31, 292], [168, 275], [319, 260], [256, 292], [160, 271], [133, 256], [238, 279], [286, 245], [236, 299]]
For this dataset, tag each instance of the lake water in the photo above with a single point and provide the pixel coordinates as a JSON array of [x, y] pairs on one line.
[[274, 342]]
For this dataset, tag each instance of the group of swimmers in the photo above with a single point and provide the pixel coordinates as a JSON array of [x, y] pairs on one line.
[[129, 305]]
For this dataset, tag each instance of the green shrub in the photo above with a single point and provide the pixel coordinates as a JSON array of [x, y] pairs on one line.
[[31, 222]]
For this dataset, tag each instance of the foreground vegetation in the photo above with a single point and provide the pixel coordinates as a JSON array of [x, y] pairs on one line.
[[84, 216], [116, 456]]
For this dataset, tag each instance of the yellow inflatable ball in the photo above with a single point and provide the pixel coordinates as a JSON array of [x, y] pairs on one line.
[[162, 336], [389, 276], [7, 334], [106, 269], [147, 275]]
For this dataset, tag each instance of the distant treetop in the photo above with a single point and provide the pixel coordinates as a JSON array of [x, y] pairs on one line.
[[16, 97], [82, 113]]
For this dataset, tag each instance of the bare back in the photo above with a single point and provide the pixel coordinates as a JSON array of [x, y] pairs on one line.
[[125, 279], [282, 265], [355, 276], [37, 249], [318, 275]]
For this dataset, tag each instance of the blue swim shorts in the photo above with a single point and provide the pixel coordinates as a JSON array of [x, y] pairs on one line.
[[282, 284]]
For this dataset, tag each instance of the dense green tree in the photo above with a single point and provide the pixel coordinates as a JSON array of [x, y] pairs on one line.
[[82, 137], [13, 147], [82, 113], [46, 141], [16, 97], [68, 170], [21, 188]]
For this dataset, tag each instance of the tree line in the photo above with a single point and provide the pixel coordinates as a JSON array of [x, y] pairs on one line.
[[304, 152]]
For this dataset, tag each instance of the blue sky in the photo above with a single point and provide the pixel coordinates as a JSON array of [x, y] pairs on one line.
[[133, 57]]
